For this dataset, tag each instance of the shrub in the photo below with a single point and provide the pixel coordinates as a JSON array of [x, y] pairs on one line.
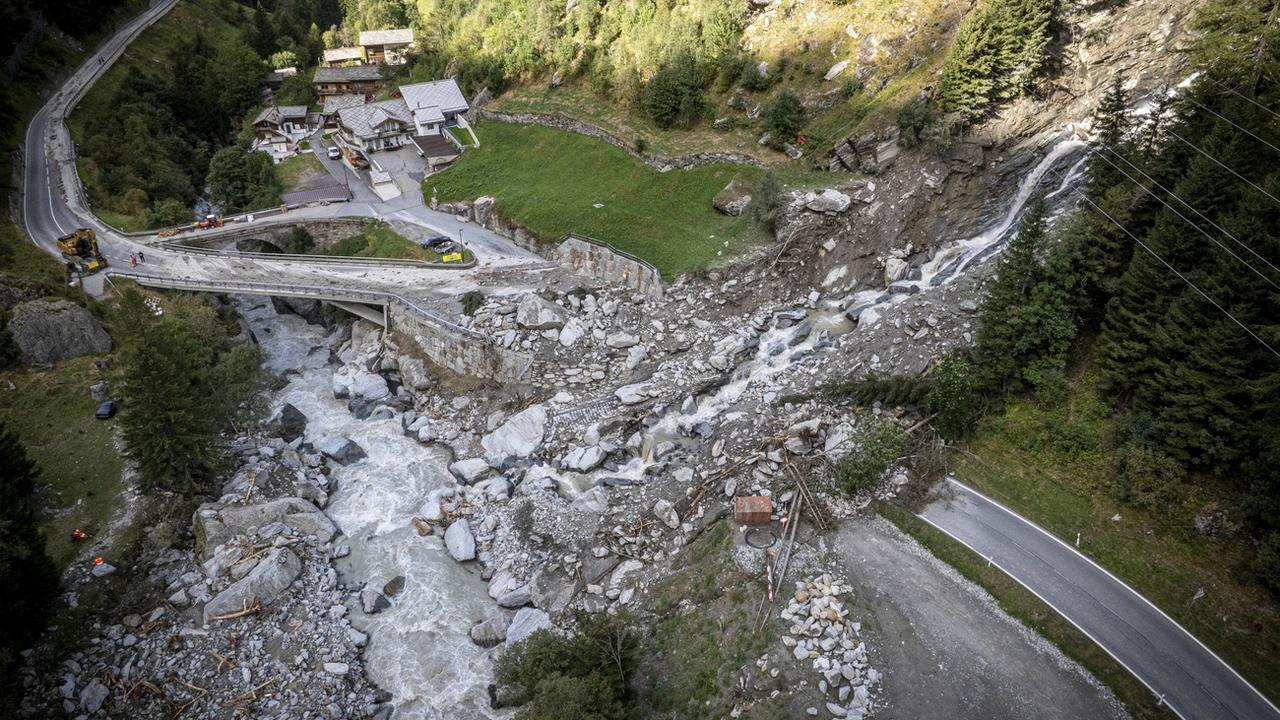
[[673, 97], [751, 78], [471, 302], [954, 397], [879, 446], [642, 145], [784, 116], [850, 87], [582, 676], [1266, 561], [167, 212], [767, 202], [1149, 479]]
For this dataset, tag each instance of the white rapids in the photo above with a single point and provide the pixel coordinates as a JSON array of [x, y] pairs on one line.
[[419, 649]]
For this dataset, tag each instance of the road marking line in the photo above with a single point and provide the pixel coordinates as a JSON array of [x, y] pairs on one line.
[[1126, 586], [1055, 608]]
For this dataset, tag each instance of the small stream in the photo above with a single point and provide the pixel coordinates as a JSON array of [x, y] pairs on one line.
[[419, 649]]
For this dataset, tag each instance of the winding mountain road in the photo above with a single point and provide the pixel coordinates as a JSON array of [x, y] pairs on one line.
[[1194, 682]]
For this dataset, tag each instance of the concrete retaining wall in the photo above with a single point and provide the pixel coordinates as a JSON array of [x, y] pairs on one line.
[[587, 256], [461, 351], [325, 232], [663, 164]]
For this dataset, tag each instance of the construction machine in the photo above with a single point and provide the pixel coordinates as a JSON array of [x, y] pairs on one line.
[[80, 248]]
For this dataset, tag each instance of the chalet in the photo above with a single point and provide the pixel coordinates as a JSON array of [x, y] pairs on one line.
[[274, 79], [334, 103], [278, 128], [386, 46], [353, 80], [384, 125], [435, 105], [338, 57]]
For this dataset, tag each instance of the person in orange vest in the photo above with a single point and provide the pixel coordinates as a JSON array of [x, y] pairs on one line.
[[78, 534], [133, 261]]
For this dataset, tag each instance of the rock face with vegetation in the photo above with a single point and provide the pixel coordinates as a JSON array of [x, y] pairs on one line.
[[49, 330]]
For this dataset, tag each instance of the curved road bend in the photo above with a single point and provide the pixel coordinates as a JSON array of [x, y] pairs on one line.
[[48, 213], [1191, 679]]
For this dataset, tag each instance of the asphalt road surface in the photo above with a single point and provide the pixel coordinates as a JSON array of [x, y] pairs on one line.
[[1189, 677]]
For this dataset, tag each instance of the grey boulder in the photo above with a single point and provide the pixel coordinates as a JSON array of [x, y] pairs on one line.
[[459, 541], [268, 579], [215, 523], [526, 622], [520, 436], [48, 330], [491, 632], [534, 313]]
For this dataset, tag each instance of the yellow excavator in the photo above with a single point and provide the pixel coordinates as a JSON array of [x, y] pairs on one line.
[[80, 248]]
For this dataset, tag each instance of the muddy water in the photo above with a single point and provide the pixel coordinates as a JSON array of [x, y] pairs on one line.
[[419, 649]]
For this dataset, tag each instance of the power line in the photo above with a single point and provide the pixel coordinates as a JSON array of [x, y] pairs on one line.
[[1242, 97], [1247, 181], [1232, 122], [1174, 270], [1199, 229]]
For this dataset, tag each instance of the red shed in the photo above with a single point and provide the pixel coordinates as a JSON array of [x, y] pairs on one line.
[[753, 510]]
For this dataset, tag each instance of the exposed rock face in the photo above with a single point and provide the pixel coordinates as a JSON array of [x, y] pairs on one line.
[[270, 577], [537, 314], [47, 331], [518, 437], [215, 523]]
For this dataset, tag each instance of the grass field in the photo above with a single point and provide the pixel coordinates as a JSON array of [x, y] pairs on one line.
[[300, 169], [379, 240], [1032, 612], [550, 182], [1052, 466]]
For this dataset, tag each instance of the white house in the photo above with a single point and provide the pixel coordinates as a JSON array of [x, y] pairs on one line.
[[435, 105], [278, 128]]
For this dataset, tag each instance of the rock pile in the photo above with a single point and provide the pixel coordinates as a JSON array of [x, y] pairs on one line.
[[823, 634]]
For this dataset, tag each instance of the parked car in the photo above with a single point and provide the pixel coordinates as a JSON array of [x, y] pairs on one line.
[[435, 242], [446, 247], [107, 409], [334, 153]]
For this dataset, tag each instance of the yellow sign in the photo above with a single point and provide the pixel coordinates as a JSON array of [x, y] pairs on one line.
[[452, 257]]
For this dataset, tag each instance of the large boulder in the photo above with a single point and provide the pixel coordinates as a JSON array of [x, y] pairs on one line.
[[520, 436], [292, 423], [470, 470], [268, 579], [526, 622], [413, 371], [216, 523], [48, 330], [828, 201], [733, 199], [460, 542], [370, 386], [535, 313], [490, 632], [342, 450], [310, 310]]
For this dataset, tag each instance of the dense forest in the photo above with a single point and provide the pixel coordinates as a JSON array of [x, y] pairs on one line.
[[1165, 283]]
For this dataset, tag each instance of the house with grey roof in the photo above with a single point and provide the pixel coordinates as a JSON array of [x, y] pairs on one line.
[[278, 128], [337, 57], [349, 80], [435, 105], [384, 125], [386, 46]]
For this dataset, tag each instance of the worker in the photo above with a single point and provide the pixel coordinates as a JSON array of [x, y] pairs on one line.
[[77, 535], [133, 261], [142, 257]]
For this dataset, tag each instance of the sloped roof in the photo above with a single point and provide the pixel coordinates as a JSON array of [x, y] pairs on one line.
[[362, 119], [444, 94], [343, 53], [430, 114], [398, 36], [347, 74], [276, 114], [334, 103]]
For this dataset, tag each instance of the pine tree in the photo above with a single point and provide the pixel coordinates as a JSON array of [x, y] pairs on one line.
[[28, 575], [1018, 272]]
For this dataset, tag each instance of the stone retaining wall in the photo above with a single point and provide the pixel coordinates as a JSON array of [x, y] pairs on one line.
[[663, 164], [325, 232], [586, 256], [456, 349]]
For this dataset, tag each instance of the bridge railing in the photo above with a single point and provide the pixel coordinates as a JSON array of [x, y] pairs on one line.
[[181, 246], [376, 297]]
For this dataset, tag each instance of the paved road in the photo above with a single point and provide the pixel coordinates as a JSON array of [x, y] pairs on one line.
[[1193, 681], [53, 204]]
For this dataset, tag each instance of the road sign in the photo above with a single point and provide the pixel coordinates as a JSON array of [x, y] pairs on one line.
[[452, 257]]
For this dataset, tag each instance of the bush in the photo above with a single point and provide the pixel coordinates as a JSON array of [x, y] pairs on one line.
[[673, 96], [880, 445], [767, 202], [954, 397], [784, 117], [471, 302], [166, 212], [751, 78], [583, 676], [1149, 479], [642, 145]]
